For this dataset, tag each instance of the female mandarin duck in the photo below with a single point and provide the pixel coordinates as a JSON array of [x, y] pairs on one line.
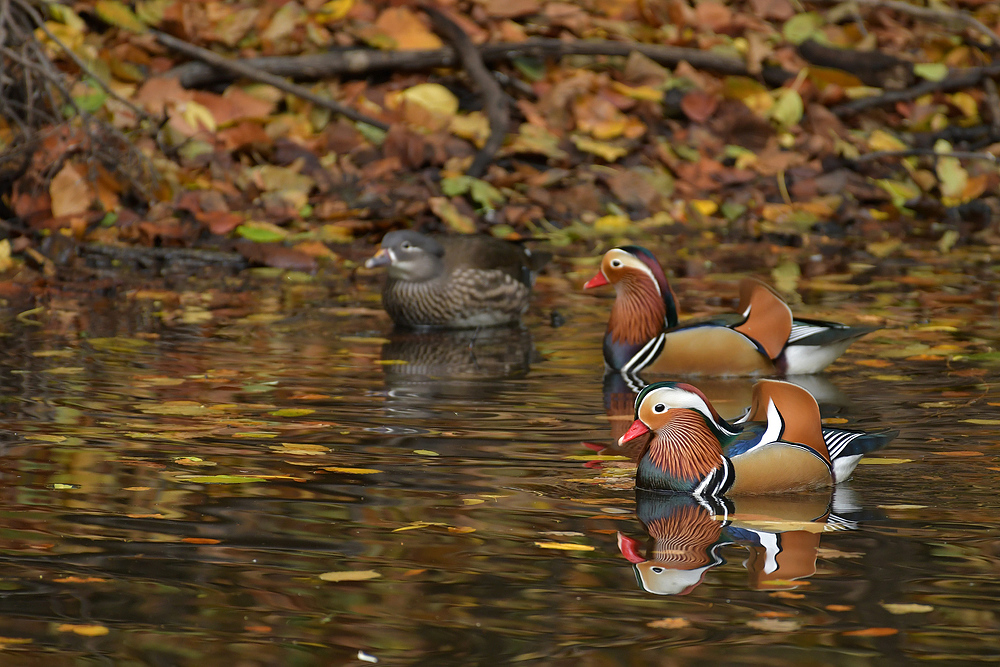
[[455, 282], [644, 334], [693, 450]]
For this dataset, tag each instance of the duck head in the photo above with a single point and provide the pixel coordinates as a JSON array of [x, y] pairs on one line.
[[685, 449], [640, 284], [410, 256]]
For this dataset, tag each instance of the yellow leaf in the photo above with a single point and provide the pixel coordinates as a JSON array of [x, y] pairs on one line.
[[564, 546], [461, 529], [418, 524], [931, 71], [350, 575], [425, 452], [788, 109], [472, 501], [433, 97], [353, 471], [472, 126], [880, 140], [669, 623], [612, 224], [774, 624], [704, 206], [883, 461], [646, 93], [85, 630], [967, 103], [907, 608], [195, 114], [450, 215], [118, 14], [605, 151], [983, 422], [334, 10]]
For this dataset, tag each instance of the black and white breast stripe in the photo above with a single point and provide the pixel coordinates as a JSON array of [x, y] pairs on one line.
[[645, 355], [837, 440], [718, 481], [800, 331]]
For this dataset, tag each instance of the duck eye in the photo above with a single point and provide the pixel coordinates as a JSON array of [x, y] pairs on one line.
[[616, 263], [657, 570], [405, 245], [659, 407]]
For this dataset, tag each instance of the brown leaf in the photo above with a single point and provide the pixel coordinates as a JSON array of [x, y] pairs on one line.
[[698, 105], [276, 255], [406, 29], [670, 623], [71, 193]]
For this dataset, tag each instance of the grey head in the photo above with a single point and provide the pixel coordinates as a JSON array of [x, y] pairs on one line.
[[410, 256]]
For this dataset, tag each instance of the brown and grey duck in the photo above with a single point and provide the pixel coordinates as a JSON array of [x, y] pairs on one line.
[[455, 282]]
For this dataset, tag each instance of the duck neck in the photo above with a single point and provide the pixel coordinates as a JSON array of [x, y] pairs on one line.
[[681, 453], [638, 316]]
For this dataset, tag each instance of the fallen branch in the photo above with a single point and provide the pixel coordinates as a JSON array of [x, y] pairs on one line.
[[955, 80], [251, 72], [929, 13], [494, 100], [927, 152], [361, 62]]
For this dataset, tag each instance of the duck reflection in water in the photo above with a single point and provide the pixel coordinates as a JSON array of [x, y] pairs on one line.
[[422, 367], [687, 535]]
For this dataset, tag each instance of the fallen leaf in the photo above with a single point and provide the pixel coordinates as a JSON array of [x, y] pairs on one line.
[[564, 546], [84, 630], [353, 471], [907, 608], [425, 452], [883, 461], [350, 575], [774, 625], [872, 632], [670, 623]]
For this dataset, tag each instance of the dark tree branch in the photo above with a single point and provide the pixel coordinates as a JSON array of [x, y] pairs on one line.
[[494, 100]]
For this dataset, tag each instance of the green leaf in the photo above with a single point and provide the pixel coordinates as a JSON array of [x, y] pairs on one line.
[[931, 71], [801, 27], [261, 232], [118, 14], [456, 185], [788, 108], [221, 479], [486, 195], [292, 412]]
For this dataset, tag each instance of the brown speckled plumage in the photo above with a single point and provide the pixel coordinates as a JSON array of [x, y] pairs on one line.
[[456, 281]]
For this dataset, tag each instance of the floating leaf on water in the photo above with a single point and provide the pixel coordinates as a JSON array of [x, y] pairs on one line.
[[872, 632], [425, 452], [353, 471], [839, 607], [564, 546], [221, 479], [58, 486], [902, 507], [907, 608], [193, 461], [461, 529], [787, 595], [350, 575], [982, 422], [873, 363], [774, 625], [200, 540], [255, 434], [875, 461], [669, 623], [419, 524], [6, 641], [938, 404], [136, 488], [472, 501], [84, 630], [597, 457], [64, 370], [45, 438], [364, 340], [892, 378], [292, 412], [300, 449], [960, 453]]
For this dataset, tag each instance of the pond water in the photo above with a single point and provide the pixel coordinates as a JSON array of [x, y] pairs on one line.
[[263, 475]]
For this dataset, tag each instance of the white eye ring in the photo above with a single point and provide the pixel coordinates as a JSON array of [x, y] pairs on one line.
[[657, 570], [616, 263], [659, 407], [405, 245]]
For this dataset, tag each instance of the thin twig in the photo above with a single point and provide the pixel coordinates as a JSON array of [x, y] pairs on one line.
[[84, 67], [955, 80], [244, 70], [925, 13], [494, 100], [927, 152], [993, 104]]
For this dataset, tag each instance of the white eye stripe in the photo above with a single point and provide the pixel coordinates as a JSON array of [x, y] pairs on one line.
[[616, 263]]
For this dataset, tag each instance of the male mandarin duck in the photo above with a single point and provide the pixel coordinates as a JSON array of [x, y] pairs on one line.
[[455, 282], [644, 333], [779, 446]]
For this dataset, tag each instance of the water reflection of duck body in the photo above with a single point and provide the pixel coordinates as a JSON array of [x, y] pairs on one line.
[[687, 534], [420, 367]]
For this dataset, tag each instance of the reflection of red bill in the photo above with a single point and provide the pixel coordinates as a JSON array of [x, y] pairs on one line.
[[629, 549]]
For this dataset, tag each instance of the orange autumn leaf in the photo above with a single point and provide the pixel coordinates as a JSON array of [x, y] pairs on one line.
[[699, 105], [872, 632]]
